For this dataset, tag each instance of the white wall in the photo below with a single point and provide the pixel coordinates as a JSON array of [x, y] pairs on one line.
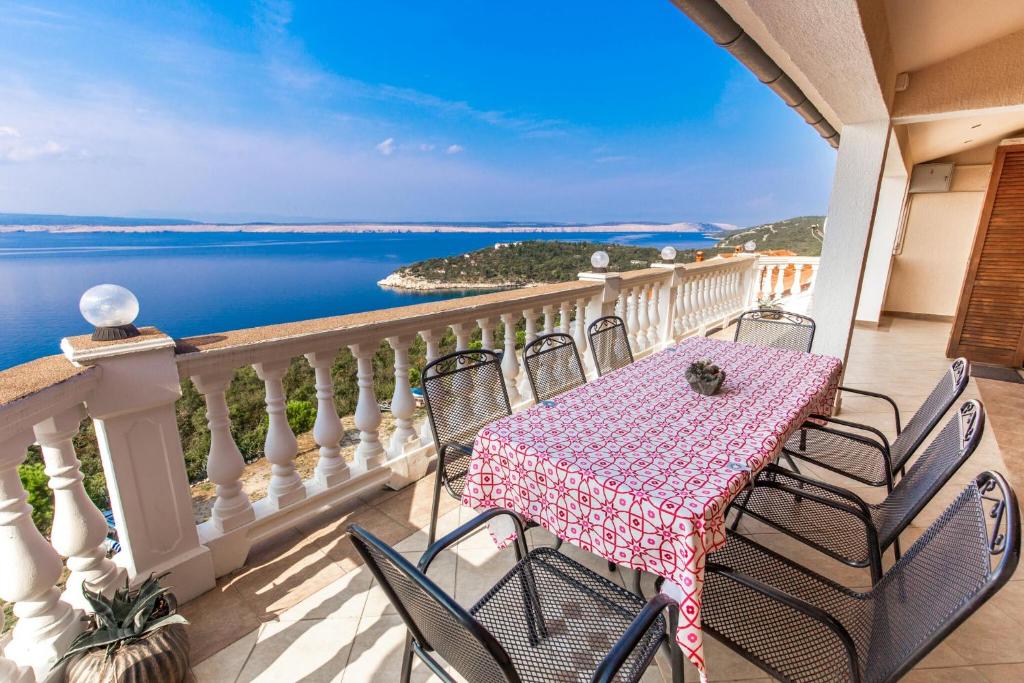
[[928, 274], [883, 235]]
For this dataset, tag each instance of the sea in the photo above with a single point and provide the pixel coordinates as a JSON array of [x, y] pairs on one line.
[[197, 283]]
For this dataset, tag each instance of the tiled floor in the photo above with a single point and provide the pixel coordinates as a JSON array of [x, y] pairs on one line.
[[304, 609]]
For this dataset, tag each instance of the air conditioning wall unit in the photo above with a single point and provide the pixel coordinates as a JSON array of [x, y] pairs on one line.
[[931, 178]]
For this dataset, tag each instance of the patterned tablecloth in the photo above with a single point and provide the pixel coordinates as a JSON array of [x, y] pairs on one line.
[[638, 468]]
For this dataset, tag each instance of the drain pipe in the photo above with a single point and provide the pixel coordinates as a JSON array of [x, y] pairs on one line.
[[717, 23]]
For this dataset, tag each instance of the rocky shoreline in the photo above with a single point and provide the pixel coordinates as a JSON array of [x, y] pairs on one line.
[[398, 280]]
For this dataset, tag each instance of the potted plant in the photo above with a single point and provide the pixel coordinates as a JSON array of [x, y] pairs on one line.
[[705, 377], [132, 637], [770, 303]]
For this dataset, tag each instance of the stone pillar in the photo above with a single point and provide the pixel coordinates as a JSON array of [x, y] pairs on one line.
[[79, 528], [133, 409], [851, 211], [331, 468]]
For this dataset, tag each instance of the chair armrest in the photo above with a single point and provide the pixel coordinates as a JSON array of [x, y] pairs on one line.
[[473, 524], [858, 508], [628, 642], [794, 603], [862, 506], [883, 447], [887, 399]]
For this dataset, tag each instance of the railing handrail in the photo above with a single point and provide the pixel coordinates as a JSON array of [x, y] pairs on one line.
[[35, 390], [776, 260]]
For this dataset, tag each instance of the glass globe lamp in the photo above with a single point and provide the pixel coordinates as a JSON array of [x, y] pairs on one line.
[[750, 246], [599, 262], [111, 309], [668, 254]]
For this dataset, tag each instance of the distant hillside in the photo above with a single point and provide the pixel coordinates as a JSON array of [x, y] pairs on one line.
[[802, 235], [520, 263], [60, 219]]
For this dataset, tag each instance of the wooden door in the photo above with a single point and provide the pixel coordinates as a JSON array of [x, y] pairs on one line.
[[989, 324]]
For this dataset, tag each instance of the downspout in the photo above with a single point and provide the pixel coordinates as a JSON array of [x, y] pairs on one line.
[[717, 23]]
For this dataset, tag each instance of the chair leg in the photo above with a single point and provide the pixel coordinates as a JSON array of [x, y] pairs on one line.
[[432, 536], [407, 658]]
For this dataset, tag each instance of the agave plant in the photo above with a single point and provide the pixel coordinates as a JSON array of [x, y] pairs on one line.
[[126, 617]]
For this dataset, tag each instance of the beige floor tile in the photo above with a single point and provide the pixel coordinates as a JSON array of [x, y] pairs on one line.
[[311, 650], [225, 666], [723, 665], [1001, 673], [965, 674], [343, 598], [376, 654], [442, 571], [217, 619], [477, 571], [990, 636]]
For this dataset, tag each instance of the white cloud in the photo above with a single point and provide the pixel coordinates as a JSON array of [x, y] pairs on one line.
[[387, 147], [21, 151], [426, 147], [9, 132], [454, 149]]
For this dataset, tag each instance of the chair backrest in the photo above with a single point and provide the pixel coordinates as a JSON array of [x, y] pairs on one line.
[[553, 365], [950, 386], [609, 344], [963, 558], [933, 468], [435, 620], [775, 328], [464, 391]]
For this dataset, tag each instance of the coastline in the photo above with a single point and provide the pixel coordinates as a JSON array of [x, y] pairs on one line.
[[397, 280]]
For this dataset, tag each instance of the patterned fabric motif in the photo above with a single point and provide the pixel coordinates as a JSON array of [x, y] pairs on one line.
[[639, 469]]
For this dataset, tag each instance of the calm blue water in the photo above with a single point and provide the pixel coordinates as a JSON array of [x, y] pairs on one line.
[[196, 283]]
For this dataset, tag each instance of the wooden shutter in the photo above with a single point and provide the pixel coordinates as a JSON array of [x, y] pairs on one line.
[[989, 324]]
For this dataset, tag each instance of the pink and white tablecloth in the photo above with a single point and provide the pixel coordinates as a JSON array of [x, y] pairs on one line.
[[639, 469]]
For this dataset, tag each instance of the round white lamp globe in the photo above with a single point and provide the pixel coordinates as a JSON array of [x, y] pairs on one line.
[[750, 246], [599, 261], [111, 309], [668, 254]]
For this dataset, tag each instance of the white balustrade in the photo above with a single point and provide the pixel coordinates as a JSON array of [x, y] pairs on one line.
[[486, 333], [29, 572], [79, 529], [580, 337], [224, 464], [779, 288], [654, 317], [369, 453], [403, 405], [549, 319], [432, 339], [10, 672], [563, 317], [331, 468], [509, 359], [633, 318], [530, 315], [794, 288], [462, 332], [280, 446]]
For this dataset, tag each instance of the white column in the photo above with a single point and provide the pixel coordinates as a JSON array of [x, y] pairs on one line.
[[794, 288], [654, 315], [679, 317], [486, 333], [280, 446], [760, 287], [812, 287], [633, 318], [692, 322], [564, 311], [530, 315], [331, 468], [580, 337], [79, 528], [509, 359], [409, 463], [854, 196], [643, 311], [29, 572], [224, 464], [892, 201], [432, 338], [549, 319], [462, 333], [369, 453], [10, 672]]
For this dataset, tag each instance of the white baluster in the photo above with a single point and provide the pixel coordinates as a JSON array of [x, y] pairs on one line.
[[679, 321], [29, 572], [563, 317], [369, 453], [620, 304], [798, 269], [403, 405], [760, 286], [580, 337], [462, 333], [10, 672], [432, 338], [224, 464], [810, 288], [280, 447], [331, 468], [643, 312], [780, 277], [509, 359], [486, 333], [633, 318], [654, 317], [531, 334], [703, 302], [549, 319], [691, 303], [79, 528]]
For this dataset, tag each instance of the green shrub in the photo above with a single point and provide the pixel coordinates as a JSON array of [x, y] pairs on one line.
[[40, 497], [301, 416]]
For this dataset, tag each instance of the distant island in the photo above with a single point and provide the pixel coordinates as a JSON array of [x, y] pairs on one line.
[[507, 265], [22, 222]]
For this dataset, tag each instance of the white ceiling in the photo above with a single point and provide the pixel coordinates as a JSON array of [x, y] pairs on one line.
[[924, 32], [934, 139]]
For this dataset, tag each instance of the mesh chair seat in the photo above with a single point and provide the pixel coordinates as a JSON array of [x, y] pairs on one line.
[[800, 626], [583, 613], [847, 454]]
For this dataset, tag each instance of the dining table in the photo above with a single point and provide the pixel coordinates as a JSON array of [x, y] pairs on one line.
[[638, 468]]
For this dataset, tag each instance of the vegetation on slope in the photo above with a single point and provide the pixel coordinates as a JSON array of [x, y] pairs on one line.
[[801, 235]]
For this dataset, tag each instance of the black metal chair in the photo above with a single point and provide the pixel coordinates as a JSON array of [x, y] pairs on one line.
[[838, 522], [868, 457], [800, 626], [775, 328], [549, 618], [609, 344], [553, 365], [463, 391]]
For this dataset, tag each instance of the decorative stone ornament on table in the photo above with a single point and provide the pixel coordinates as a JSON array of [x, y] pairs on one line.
[[705, 377], [111, 309]]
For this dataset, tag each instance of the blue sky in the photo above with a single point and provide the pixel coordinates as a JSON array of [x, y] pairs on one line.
[[446, 110]]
